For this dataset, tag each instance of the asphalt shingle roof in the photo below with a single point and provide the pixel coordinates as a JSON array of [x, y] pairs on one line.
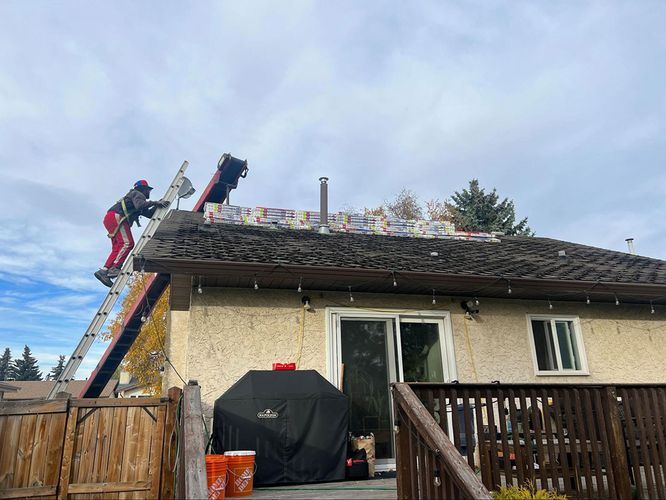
[[183, 236]]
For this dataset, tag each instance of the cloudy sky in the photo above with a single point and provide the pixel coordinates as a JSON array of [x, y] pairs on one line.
[[560, 105]]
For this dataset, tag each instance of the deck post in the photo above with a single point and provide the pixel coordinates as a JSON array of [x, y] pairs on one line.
[[618, 452]]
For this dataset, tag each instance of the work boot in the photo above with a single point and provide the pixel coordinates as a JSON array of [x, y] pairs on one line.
[[113, 272], [103, 277]]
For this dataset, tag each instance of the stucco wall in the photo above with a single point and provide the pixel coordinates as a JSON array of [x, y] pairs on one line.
[[229, 331]]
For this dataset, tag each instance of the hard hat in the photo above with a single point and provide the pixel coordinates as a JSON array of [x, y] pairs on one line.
[[142, 184]]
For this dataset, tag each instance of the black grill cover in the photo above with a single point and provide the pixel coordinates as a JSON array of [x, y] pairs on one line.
[[296, 421]]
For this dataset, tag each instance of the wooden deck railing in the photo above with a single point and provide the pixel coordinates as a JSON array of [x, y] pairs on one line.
[[585, 440], [429, 466]]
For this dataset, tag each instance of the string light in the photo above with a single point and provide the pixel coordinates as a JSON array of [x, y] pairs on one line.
[[256, 285], [395, 283], [434, 300], [651, 308], [587, 300], [351, 297], [508, 290], [300, 282], [199, 289], [617, 301], [550, 304], [476, 301], [143, 319]]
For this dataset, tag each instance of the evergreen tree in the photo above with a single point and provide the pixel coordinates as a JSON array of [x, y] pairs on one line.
[[26, 368], [5, 365], [475, 210], [57, 369]]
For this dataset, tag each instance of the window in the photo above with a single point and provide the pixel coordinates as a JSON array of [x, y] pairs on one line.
[[557, 345]]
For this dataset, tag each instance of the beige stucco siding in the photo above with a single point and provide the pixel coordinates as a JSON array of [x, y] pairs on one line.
[[229, 331]]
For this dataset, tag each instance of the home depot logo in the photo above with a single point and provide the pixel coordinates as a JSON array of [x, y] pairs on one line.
[[268, 413]]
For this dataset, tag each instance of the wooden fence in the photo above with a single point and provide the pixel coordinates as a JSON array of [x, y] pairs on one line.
[[72, 448], [583, 440]]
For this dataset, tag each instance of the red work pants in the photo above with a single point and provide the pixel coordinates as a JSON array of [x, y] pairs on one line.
[[122, 243]]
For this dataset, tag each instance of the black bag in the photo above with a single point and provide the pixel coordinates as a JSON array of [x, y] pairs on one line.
[[357, 465]]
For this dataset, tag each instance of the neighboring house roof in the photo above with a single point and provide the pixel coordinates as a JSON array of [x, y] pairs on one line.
[[39, 389], [237, 254], [8, 387]]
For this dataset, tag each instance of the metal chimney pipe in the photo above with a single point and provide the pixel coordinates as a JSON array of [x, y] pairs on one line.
[[630, 244], [323, 206]]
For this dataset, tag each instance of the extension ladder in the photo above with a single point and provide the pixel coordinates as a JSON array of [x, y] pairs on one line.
[[105, 309]]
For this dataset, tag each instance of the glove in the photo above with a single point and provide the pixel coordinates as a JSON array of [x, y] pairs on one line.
[[162, 203]]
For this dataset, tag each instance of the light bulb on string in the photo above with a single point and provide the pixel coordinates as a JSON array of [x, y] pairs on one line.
[[434, 300], [476, 301], [144, 319], [351, 297], [550, 304], [199, 289], [617, 301], [587, 300], [300, 283], [256, 285], [508, 290], [395, 283], [651, 308]]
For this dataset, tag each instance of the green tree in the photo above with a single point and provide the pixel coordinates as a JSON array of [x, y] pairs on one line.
[[473, 209], [5, 365], [26, 367], [57, 369]]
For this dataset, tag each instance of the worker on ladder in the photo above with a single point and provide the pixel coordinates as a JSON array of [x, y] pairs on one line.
[[119, 220]]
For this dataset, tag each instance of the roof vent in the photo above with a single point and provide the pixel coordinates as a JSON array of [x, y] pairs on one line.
[[562, 254], [434, 254], [630, 246], [323, 206]]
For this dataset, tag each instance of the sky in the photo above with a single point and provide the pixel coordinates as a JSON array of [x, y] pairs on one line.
[[559, 105]]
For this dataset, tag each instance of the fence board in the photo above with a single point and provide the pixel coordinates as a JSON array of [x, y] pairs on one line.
[[659, 415], [56, 443], [10, 438], [32, 407], [68, 451], [24, 451], [169, 452]]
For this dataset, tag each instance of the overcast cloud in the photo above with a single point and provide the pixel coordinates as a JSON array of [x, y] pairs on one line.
[[559, 105]]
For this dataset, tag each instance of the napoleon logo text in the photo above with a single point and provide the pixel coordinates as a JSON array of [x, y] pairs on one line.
[[268, 413]]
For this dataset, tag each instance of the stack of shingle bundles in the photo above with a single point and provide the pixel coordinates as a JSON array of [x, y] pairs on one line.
[[357, 223], [284, 218], [474, 236], [218, 212], [304, 219]]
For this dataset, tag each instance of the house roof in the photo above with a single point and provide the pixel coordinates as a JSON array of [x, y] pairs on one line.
[[8, 387], [39, 389], [233, 255]]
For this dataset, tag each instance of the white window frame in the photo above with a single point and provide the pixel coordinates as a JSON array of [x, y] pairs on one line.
[[580, 344]]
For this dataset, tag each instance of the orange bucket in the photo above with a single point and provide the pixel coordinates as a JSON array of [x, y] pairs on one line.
[[241, 473], [216, 472]]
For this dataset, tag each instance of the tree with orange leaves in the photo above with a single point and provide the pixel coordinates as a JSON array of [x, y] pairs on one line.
[[146, 355]]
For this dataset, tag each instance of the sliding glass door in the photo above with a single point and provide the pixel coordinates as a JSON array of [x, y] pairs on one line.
[[369, 351]]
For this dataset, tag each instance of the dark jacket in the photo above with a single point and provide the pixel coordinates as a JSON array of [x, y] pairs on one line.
[[136, 204]]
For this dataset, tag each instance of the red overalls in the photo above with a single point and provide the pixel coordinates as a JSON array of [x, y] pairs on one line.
[[122, 243]]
